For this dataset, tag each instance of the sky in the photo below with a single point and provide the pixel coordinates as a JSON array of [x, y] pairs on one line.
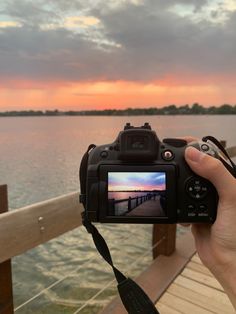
[[132, 181], [97, 54]]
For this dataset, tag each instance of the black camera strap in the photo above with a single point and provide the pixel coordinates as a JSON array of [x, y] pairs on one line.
[[134, 299]]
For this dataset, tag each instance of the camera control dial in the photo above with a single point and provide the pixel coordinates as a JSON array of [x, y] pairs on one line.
[[196, 188], [104, 154], [168, 155]]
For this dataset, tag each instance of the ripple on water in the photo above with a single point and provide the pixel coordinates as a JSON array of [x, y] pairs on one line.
[[40, 160]]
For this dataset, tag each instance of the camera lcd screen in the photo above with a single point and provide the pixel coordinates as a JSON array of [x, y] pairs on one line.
[[137, 194]]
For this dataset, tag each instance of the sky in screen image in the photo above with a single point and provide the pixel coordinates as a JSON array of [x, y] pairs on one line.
[[136, 181], [96, 54]]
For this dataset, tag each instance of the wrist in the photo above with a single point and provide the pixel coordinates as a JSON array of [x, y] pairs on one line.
[[227, 278]]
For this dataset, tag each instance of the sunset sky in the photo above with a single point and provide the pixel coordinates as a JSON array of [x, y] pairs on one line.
[[94, 54], [131, 181]]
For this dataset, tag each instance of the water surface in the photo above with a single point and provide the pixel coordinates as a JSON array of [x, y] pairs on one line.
[[40, 159]]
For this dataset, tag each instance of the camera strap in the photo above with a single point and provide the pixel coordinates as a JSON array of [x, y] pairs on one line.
[[230, 167], [134, 299]]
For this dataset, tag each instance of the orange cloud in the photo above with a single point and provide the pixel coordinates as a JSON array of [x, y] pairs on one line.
[[103, 95]]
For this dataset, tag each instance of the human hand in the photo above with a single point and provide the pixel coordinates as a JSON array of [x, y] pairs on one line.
[[216, 244]]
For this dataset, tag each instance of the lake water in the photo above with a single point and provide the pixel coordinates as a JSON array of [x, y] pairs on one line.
[[39, 159], [124, 195]]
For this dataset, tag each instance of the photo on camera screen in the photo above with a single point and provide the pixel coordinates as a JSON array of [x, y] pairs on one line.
[[137, 194]]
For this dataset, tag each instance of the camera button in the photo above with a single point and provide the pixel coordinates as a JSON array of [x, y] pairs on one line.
[[197, 188], [204, 147], [116, 147], [168, 155], [202, 208], [104, 154], [191, 208], [204, 189]]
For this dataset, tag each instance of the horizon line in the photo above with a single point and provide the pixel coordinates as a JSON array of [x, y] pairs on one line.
[[195, 106]]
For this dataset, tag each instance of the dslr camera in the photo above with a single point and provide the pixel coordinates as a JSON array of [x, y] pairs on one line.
[[139, 179]]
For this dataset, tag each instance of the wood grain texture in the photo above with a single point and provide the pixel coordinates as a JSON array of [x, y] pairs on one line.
[[203, 301], [160, 274], [182, 305], [203, 295], [28, 227], [202, 278], [167, 309], [6, 293], [167, 247], [196, 290], [199, 268]]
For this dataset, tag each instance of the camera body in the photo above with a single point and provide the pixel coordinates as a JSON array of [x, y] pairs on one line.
[[139, 179]]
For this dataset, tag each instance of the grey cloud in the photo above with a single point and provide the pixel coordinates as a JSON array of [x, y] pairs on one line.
[[151, 43], [27, 12], [156, 42], [197, 4], [51, 55]]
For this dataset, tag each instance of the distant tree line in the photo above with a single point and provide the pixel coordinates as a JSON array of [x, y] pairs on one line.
[[195, 109]]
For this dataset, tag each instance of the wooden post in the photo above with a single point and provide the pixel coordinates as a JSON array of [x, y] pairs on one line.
[[111, 206], [6, 294], [129, 204], [167, 246]]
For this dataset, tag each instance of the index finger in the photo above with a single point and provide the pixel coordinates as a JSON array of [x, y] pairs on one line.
[[189, 139]]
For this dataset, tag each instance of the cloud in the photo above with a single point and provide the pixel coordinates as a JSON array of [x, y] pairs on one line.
[[136, 40], [5, 24]]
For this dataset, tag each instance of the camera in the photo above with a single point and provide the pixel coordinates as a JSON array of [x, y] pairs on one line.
[[140, 179]]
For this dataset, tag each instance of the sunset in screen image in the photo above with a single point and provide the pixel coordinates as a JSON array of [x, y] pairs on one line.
[[140, 181], [85, 55]]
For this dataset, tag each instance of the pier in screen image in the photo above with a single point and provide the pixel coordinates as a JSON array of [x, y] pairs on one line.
[[137, 194]]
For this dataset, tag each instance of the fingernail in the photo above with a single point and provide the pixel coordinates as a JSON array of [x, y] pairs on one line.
[[193, 154]]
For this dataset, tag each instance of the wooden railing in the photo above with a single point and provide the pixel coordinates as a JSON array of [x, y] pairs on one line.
[[132, 202], [28, 227], [6, 294], [25, 228]]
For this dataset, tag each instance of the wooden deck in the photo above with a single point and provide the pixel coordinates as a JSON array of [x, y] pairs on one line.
[[150, 208], [180, 284], [195, 291]]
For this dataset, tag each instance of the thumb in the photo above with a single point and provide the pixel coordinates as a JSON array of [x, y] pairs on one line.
[[212, 169]]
